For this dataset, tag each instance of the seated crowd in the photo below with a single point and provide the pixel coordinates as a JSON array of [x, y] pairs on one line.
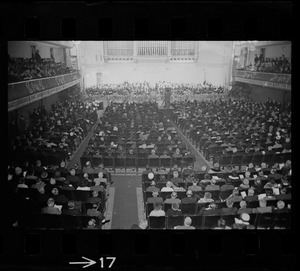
[[228, 127], [133, 134], [146, 88], [259, 186], [21, 69], [215, 198], [51, 136], [239, 92], [270, 64], [77, 196]]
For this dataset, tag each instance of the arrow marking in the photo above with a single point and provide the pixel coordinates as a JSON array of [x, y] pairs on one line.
[[89, 263]]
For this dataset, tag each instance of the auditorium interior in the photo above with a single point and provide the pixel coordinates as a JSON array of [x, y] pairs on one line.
[[153, 134]]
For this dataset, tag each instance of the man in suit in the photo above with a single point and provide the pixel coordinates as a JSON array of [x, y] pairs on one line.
[[71, 209], [95, 211], [243, 208], [58, 197], [195, 187], [155, 198], [94, 198], [212, 186], [176, 179], [174, 210], [189, 197], [229, 210], [73, 179], [173, 198], [152, 187], [157, 211], [50, 209]]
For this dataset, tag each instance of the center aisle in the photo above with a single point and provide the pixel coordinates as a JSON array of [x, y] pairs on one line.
[[125, 207]]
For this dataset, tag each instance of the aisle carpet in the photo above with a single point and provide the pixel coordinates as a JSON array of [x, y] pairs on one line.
[[125, 208]]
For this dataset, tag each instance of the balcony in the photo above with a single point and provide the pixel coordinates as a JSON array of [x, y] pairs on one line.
[[272, 80], [26, 92]]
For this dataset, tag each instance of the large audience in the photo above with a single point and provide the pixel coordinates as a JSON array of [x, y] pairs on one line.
[[237, 195], [271, 64], [146, 88], [55, 133], [135, 130], [22, 69], [238, 125]]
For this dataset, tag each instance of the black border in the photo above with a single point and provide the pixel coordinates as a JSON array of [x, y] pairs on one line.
[[147, 250]]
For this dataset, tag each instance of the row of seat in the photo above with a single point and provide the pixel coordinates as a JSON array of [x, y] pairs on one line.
[[134, 162], [75, 195], [199, 175], [63, 222], [239, 159], [193, 208], [53, 158], [36, 206], [259, 221], [185, 185]]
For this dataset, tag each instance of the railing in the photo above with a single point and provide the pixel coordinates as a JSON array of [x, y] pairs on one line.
[[182, 52], [25, 92], [274, 80]]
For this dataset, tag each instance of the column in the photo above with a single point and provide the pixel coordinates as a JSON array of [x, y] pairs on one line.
[[169, 48], [134, 48]]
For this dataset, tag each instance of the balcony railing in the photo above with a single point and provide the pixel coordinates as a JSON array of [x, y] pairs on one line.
[[274, 80], [25, 92], [183, 52]]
